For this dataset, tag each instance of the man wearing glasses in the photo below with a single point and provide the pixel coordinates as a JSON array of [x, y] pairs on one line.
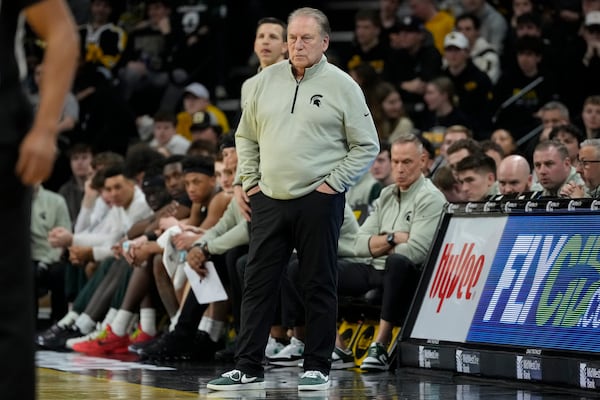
[[589, 169]]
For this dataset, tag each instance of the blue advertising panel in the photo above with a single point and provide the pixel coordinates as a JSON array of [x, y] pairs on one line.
[[543, 289]]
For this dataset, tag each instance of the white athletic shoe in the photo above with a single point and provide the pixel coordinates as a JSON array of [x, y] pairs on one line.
[[273, 347], [93, 335], [289, 355]]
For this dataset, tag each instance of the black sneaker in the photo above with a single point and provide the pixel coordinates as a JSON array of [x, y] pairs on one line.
[[48, 333], [55, 337], [204, 348], [170, 346], [138, 347], [175, 346], [227, 354]]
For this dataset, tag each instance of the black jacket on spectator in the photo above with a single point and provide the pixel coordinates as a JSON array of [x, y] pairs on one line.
[[375, 57], [519, 117], [106, 121], [437, 123], [581, 80], [401, 66], [474, 90]]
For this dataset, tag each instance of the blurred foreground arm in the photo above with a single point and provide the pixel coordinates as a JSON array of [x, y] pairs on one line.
[[52, 21]]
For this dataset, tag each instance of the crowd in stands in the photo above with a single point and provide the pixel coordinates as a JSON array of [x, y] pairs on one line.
[[470, 98]]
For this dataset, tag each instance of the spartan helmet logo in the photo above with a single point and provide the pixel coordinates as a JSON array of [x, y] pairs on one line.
[[316, 100]]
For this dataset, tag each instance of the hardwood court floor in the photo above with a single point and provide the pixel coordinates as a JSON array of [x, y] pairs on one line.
[[66, 376]]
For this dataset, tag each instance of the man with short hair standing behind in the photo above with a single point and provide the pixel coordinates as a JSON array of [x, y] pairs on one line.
[[314, 114], [270, 46]]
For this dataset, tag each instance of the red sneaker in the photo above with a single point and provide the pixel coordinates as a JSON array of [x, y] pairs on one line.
[[139, 336], [110, 343]]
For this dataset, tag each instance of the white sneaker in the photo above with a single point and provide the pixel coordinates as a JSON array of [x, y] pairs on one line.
[[273, 347], [342, 359], [93, 335], [289, 355]]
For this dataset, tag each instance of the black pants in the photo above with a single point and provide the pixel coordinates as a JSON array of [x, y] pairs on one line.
[[51, 278], [192, 311], [17, 376], [235, 283], [240, 267], [399, 282], [292, 306], [311, 225]]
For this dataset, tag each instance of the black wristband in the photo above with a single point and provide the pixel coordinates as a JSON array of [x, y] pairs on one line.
[[151, 236], [390, 239], [204, 249]]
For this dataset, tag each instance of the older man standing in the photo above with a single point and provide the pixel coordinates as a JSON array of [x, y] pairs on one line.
[[305, 136]]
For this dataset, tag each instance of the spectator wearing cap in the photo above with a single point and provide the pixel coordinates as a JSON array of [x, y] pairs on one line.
[[483, 54], [411, 63], [165, 135], [519, 116], [438, 23], [473, 86], [367, 47], [198, 109], [493, 24]]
